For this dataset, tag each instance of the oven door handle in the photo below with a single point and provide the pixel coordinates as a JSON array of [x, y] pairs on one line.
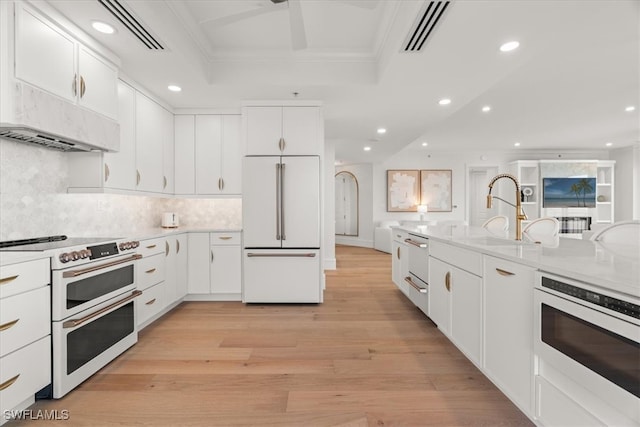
[[77, 322], [76, 273]]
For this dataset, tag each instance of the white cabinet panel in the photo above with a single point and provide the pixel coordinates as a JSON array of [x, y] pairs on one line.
[[226, 268], [149, 147], [184, 152], [150, 303], [150, 270], [24, 318], [231, 160], [199, 261], [181, 249], [168, 168], [466, 313], [22, 277], [208, 147], [439, 294], [301, 202], [120, 167], [98, 88], [263, 130], [275, 276], [300, 128]]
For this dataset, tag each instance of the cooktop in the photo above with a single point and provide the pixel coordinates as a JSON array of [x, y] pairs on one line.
[[39, 244]]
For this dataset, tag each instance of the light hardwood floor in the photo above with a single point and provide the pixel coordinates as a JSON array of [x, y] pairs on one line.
[[366, 357]]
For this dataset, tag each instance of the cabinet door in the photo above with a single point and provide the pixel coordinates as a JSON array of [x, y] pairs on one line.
[[149, 149], [199, 263], [396, 269], [120, 167], [263, 129], [208, 146], [466, 308], [184, 154], [226, 269], [181, 249], [300, 131], [508, 327], [231, 161], [98, 88], [170, 273], [439, 294], [44, 55], [168, 184]]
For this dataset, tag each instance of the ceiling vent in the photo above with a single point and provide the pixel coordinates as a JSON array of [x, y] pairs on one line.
[[424, 25], [132, 24]]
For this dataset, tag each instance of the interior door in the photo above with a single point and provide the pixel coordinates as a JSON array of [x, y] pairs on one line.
[[259, 207], [301, 202]]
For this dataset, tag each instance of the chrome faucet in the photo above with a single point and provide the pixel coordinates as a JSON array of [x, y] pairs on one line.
[[520, 215]]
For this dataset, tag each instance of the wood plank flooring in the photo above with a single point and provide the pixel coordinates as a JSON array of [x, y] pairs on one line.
[[366, 357]]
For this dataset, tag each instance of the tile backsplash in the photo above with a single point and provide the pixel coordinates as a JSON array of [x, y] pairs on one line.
[[34, 202]]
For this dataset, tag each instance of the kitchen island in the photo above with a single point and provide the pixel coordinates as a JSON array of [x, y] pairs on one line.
[[537, 318]]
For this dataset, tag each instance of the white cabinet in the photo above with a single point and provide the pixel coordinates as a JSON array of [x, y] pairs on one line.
[[149, 145], [49, 58], [508, 328], [400, 259], [283, 130], [176, 267], [208, 154], [168, 168], [455, 296], [215, 266], [605, 192], [150, 279], [25, 333]]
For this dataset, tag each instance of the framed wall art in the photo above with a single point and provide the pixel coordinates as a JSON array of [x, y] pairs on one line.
[[403, 190], [435, 189]]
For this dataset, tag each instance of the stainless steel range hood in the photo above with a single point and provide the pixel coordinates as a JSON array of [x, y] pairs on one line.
[[33, 116]]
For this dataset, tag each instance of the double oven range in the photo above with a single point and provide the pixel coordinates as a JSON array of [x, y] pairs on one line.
[[93, 293]]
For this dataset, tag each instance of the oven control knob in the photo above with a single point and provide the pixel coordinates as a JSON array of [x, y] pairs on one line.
[[121, 246], [135, 244], [64, 257], [85, 253], [127, 245], [75, 255]]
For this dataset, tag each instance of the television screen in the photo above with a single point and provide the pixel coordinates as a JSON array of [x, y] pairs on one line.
[[569, 193]]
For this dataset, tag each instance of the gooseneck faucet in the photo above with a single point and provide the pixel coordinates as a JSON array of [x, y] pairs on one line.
[[520, 215]]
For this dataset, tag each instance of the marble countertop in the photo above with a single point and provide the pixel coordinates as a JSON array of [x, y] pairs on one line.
[[613, 267]]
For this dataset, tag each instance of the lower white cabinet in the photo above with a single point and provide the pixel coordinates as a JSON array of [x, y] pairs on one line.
[[150, 279], [150, 303], [399, 259], [508, 328], [176, 267], [455, 297], [215, 266], [554, 408]]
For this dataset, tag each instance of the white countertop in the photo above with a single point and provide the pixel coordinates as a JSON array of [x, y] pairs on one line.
[[613, 267]]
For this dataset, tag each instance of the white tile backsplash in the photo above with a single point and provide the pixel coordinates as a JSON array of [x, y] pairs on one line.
[[34, 202]]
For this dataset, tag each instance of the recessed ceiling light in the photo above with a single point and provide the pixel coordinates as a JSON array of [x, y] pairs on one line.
[[174, 88], [102, 27], [516, 144], [424, 144], [630, 108], [486, 109], [382, 130], [444, 101], [367, 148], [609, 144], [509, 46]]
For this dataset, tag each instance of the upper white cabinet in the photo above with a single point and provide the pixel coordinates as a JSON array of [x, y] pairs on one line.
[[208, 154], [288, 130], [49, 58], [151, 130]]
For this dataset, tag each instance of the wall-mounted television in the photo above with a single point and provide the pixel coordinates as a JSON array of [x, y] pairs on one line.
[[569, 192]]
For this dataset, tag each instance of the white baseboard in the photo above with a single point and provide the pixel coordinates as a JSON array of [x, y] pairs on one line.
[[354, 241]]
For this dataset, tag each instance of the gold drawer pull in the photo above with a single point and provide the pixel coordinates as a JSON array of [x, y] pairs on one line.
[[6, 280], [8, 383], [8, 325], [150, 271], [151, 246], [447, 281], [225, 237], [504, 272], [414, 285], [150, 302]]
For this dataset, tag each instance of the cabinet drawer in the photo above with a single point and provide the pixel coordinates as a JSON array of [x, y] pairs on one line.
[[23, 277], [24, 372], [554, 408], [399, 235], [150, 270], [151, 247], [219, 239], [150, 303], [462, 258], [24, 318]]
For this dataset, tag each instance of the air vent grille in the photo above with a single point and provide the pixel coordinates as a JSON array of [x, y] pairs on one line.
[[25, 135], [424, 25], [132, 24]]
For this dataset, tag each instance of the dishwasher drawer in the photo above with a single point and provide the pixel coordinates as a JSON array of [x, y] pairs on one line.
[[418, 256], [418, 293]]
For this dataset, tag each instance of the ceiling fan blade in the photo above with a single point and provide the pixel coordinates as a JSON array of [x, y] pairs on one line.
[[230, 19], [298, 35]]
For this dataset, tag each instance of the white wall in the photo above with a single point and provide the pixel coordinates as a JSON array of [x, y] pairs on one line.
[[364, 174], [627, 187], [33, 202]]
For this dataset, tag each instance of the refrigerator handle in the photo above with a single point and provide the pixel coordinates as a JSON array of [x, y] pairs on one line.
[[282, 205], [278, 206]]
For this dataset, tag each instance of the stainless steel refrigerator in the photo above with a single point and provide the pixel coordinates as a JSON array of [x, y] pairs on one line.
[[281, 229]]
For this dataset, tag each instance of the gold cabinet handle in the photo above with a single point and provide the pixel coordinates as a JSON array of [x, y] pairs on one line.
[[151, 246], [414, 243], [414, 285], [106, 172], [504, 272], [211, 256], [6, 280], [150, 302], [83, 87], [164, 182], [224, 237], [74, 85], [398, 251], [8, 325], [281, 144], [166, 248], [137, 177], [150, 271], [177, 246], [222, 181], [8, 383], [447, 281]]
